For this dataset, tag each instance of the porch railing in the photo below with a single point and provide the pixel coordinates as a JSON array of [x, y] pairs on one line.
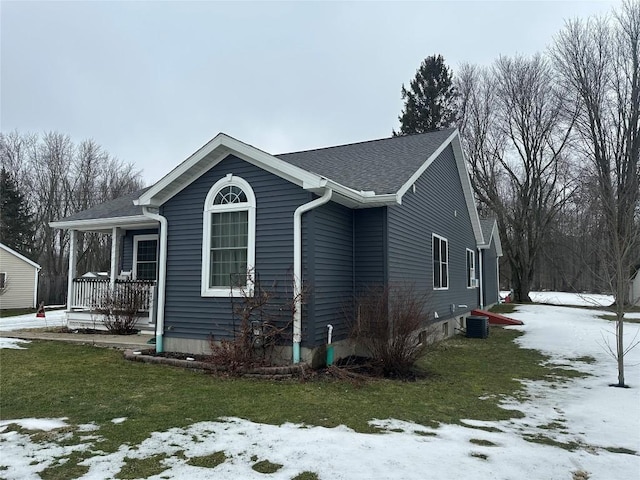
[[93, 293]]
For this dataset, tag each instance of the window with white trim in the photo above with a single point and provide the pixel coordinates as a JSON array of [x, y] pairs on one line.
[[145, 257], [440, 246], [228, 238], [471, 268]]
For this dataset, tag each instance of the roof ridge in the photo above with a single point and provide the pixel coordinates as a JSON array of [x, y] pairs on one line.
[[365, 141]]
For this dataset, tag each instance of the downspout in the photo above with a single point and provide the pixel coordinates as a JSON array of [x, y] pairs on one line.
[[297, 268], [162, 274], [480, 255]]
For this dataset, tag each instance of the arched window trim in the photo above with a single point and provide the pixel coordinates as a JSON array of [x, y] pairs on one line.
[[209, 209]]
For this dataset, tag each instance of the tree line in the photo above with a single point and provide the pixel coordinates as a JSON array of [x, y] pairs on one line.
[[48, 177], [552, 143]]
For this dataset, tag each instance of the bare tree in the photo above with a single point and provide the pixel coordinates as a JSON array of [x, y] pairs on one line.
[[599, 61], [515, 134], [60, 178]]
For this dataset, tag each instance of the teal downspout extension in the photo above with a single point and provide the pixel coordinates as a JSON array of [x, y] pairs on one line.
[[329, 346]]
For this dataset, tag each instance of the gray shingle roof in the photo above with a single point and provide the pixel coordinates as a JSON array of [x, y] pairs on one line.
[[382, 166], [379, 165], [120, 207]]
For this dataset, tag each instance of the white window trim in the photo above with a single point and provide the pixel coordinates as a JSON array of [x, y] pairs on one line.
[[446, 262], [142, 238], [471, 279], [209, 208]]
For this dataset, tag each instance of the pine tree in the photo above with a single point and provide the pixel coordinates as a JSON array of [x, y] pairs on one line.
[[16, 223], [429, 103]]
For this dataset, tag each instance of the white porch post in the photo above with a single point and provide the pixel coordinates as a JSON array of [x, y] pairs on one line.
[[115, 250], [73, 260]]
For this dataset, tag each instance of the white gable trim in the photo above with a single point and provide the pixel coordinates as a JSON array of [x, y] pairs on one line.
[[495, 236], [213, 153], [454, 141], [106, 224], [21, 257]]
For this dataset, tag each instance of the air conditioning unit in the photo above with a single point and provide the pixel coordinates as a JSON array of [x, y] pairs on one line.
[[474, 282]]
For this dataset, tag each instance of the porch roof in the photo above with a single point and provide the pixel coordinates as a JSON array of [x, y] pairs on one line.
[[120, 212]]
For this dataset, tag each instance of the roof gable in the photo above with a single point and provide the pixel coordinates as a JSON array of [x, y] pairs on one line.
[[491, 234], [21, 257]]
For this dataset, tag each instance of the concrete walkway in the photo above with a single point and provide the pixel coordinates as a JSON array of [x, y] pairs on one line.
[[138, 341]]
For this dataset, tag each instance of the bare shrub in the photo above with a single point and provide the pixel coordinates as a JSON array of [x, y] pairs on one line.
[[386, 321], [258, 328], [120, 307]]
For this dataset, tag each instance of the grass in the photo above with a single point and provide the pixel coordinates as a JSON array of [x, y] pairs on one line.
[[265, 466], [466, 378], [613, 318], [504, 308], [12, 312]]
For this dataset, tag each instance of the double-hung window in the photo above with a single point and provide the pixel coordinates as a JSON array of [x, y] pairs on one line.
[[471, 268], [440, 262], [228, 246]]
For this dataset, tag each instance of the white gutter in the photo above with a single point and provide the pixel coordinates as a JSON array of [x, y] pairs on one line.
[[297, 268], [162, 274]]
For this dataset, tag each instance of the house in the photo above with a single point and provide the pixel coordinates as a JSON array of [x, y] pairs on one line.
[[489, 263], [18, 280], [329, 222]]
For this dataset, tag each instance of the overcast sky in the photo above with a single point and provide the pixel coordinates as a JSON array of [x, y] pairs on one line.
[[151, 82]]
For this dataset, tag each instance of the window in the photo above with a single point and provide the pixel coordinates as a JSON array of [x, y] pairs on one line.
[[440, 263], [145, 257], [471, 268], [228, 246], [3, 280]]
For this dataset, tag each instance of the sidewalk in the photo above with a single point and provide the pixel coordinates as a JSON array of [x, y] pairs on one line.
[[136, 342]]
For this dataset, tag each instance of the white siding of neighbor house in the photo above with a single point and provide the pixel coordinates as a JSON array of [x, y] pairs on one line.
[[20, 282], [634, 290]]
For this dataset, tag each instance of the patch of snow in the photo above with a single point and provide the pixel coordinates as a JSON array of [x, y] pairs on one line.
[[44, 424], [575, 299], [55, 318], [585, 412], [12, 343], [119, 420]]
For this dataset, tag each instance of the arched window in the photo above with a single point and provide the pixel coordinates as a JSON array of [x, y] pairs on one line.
[[228, 238]]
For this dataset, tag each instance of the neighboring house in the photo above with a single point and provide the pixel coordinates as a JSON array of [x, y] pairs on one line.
[[334, 220], [18, 280], [489, 264], [634, 288]]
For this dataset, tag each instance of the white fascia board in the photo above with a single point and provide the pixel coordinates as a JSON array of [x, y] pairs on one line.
[[98, 224], [466, 187], [454, 141], [216, 150], [414, 178], [21, 257]]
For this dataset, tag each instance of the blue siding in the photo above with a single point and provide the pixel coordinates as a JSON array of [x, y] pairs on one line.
[[490, 275], [370, 246], [331, 277], [127, 246], [437, 206], [187, 314]]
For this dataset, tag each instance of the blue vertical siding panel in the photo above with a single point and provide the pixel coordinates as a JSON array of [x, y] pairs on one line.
[[187, 314], [332, 275], [369, 237], [489, 277], [437, 206]]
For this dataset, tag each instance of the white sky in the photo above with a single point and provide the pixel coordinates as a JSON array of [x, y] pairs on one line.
[[153, 81]]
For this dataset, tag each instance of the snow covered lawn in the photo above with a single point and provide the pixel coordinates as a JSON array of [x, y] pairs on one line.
[[53, 318], [599, 427]]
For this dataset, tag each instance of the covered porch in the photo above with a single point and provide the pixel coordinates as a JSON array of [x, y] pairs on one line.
[[130, 282]]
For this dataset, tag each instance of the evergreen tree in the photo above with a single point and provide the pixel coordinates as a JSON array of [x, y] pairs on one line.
[[429, 103], [16, 223]]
